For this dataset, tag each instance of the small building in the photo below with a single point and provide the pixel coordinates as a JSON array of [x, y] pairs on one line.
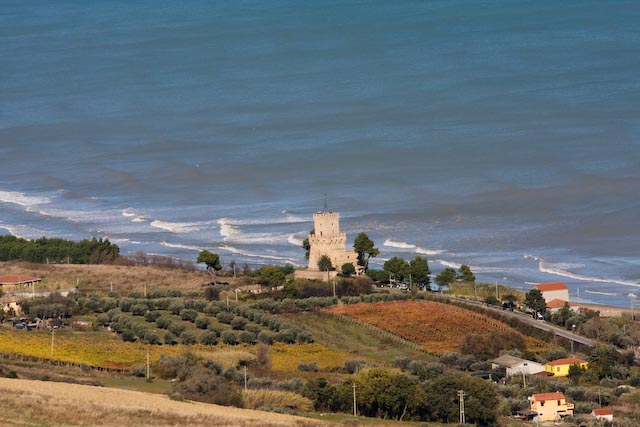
[[552, 291], [560, 367], [550, 406], [602, 414], [557, 304], [517, 366], [252, 289]]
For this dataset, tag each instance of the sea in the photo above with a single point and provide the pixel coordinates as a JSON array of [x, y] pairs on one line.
[[500, 134]]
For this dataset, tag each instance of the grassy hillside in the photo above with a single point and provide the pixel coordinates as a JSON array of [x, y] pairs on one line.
[[37, 403]]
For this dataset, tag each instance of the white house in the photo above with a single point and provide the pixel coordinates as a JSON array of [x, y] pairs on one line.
[[553, 291], [517, 366]]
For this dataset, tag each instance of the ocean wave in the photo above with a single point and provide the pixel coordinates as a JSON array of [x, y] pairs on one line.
[[295, 240], [177, 227], [287, 219], [241, 252], [232, 233], [612, 294], [557, 269], [180, 246], [449, 264], [128, 212], [139, 219], [417, 249], [22, 199]]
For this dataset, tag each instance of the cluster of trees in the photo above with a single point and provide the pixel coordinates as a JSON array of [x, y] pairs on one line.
[[53, 306], [415, 271], [87, 251], [450, 275], [384, 394]]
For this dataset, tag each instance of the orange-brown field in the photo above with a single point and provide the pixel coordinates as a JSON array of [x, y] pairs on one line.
[[438, 327]]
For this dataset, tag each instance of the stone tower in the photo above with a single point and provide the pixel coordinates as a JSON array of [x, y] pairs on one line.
[[328, 240]]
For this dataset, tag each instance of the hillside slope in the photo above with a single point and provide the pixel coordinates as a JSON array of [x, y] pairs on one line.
[[35, 403]]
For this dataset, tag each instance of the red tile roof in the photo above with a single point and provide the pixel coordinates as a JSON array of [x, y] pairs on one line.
[[566, 361], [555, 286], [540, 397], [603, 411], [16, 280], [558, 303]]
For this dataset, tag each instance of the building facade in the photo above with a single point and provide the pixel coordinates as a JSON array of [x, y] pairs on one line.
[[550, 406], [560, 367]]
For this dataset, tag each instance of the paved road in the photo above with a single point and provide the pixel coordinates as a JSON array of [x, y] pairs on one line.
[[540, 324]]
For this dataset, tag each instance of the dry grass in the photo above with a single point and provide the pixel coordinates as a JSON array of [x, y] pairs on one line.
[[286, 400], [286, 358], [99, 277], [36, 403]]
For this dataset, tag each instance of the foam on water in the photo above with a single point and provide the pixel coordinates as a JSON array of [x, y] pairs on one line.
[[21, 199], [414, 248]]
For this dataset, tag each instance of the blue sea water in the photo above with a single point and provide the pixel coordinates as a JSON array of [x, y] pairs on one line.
[[500, 134]]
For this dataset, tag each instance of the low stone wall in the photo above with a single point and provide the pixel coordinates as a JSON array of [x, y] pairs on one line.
[[314, 275]]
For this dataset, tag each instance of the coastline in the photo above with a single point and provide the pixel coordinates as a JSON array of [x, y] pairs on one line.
[[609, 310]]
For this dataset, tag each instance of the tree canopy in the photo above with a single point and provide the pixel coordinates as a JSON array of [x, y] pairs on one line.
[[465, 274], [446, 277], [535, 301], [55, 250], [364, 246], [212, 260]]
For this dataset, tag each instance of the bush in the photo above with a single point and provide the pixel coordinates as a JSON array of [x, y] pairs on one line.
[[163, 322], [128, 336], [225, 317], [170, 339], [176, 328], [287, 336], [266, 337], [247, 337], [238, 323], [208, 338], [188, 314], [353, 366], [139, 309], [202, 322], [152, 316], [176, 307], [151, 338], [308, 367], [229, 337], [188, 338], [282, 401]]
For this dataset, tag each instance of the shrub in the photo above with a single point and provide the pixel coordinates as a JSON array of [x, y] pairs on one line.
[[262, 354], [152, 316], [287, 336], [283, 401], [229, 337], [225, 317], [188, 338], [139, 309], [176, 328], [128, 336], [353, 366], [170, 339], [208, 338], [247, 337], [150, 337], [176, 307], [188, 314], [238, 323], [308, 367], [163, 322], [202, 322], [266, 337]]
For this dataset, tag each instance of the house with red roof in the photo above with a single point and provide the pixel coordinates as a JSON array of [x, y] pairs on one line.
[[602, 414], [560, 367], [553, 291], [550, 406]]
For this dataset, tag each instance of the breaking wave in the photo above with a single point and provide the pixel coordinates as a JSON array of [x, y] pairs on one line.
[[230, 232], [179, 246], [254, 255], [558, 270], [177, 227], [22, 199], [417, 249]]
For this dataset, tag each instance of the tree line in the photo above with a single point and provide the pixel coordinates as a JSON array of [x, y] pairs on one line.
[[56, 250]]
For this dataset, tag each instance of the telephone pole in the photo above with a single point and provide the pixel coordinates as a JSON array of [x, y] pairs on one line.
[[53, 334], [355, 405], [461, 395]]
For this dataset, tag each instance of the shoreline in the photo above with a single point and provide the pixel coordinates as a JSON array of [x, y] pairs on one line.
[[609, 310]]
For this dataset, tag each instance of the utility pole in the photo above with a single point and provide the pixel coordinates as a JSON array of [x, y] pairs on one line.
[[355, 405], [497, 291], [245, 378], [148, 368], [145, 290], [334, 288], [112, 286], [53, 334], [461, 396]]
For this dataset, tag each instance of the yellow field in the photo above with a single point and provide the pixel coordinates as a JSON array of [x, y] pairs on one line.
[[285, 357]]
